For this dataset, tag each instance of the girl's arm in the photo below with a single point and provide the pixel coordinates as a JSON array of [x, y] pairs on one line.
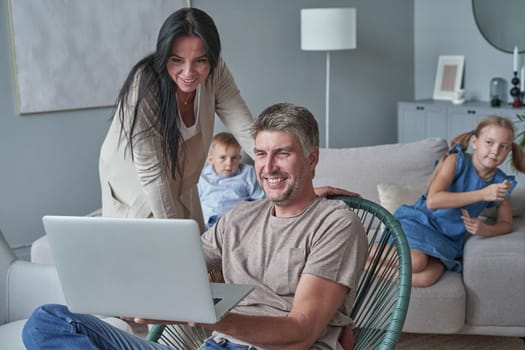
[[503, 223], [438, 196]]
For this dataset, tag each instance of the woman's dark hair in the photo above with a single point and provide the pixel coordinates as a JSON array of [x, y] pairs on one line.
[[157, 91]]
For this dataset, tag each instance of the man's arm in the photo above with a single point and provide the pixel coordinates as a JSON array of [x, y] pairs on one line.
[[315, 303]]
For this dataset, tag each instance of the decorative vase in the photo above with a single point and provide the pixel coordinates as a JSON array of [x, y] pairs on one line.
[[498, 91]]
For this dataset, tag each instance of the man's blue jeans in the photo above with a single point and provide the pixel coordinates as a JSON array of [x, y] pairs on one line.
[[55, 327], [211, 344]]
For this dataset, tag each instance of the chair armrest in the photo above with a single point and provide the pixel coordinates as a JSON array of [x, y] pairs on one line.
[[30, 285]]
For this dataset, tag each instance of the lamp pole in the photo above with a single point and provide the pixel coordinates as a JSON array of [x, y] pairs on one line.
[[327, 102], [327, 29]]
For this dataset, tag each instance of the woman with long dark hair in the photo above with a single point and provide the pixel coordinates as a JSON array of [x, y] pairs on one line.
[[157, 144]]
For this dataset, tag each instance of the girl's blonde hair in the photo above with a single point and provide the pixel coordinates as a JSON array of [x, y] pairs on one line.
[[518, 156]]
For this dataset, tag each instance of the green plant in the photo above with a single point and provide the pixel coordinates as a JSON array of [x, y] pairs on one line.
[[520, 138]]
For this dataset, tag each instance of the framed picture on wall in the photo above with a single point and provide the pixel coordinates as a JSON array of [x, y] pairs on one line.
[[449, 77]]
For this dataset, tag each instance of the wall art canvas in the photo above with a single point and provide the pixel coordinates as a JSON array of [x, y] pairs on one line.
[[76, 54]]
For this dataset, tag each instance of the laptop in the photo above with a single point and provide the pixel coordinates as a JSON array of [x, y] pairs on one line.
[[148, 268]]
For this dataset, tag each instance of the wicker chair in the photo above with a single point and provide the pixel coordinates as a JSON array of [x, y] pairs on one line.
[[383, 292]]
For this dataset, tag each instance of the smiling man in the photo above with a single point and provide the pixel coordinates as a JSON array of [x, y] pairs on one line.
[[304, 254]]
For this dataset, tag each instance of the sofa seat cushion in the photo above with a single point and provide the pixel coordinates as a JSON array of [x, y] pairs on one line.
[[11, 333], [361, 169], [439, 308], [494, 277]]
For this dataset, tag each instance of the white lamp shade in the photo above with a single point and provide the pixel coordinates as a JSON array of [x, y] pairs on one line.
[[328, 29]]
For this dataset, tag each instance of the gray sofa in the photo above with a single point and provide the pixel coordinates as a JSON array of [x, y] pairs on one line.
[[489, 296]]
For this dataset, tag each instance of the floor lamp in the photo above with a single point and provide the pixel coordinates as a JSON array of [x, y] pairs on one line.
[[328, 29]]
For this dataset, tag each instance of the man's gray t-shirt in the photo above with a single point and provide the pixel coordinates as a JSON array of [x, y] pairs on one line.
[[252, 246]]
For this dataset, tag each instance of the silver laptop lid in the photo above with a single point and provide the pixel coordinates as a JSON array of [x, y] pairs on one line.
[[150, 268]]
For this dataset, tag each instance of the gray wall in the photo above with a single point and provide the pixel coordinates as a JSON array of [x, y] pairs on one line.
[[49, 160], [447, 27], [262, 46]]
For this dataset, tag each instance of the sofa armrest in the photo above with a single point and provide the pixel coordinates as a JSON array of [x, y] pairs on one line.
[[494, 276], [30, 285]]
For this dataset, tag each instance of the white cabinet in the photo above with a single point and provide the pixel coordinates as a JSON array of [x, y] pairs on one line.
[[418, 120]]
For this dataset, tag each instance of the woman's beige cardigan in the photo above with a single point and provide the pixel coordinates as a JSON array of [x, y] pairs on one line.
[[144, 187]]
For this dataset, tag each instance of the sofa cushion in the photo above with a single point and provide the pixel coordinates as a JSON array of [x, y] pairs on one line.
[[360, 169], [41, 252], [392, 196], [494, 277], [439, 308]]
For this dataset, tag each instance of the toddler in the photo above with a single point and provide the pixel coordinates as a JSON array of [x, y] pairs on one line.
[[224, 181]]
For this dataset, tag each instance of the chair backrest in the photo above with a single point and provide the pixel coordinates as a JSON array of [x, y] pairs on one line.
[[383, 293]]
